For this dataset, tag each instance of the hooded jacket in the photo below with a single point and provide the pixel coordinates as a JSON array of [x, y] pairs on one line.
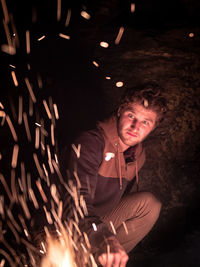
[[105, 173]]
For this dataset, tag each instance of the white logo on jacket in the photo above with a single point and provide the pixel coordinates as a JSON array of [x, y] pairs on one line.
[[109, 155]]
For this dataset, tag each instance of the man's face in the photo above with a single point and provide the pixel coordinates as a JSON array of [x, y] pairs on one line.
[[135, 124]]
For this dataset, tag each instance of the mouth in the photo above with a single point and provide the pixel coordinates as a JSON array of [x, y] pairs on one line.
[[132, 134]]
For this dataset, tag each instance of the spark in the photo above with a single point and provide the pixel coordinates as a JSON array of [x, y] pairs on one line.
[[1, 105], [94, 227], [132, 7], [14, 232], [15, 34], [20, 110], [24, 206], [0, 156], [60, 209], [104, 44], [48, 215], [30, 106], [28, 66], [119, 36], [5, 10], [113, 228], [77, 150], [64, 36], [108, 78], [28, 133], [2, 263], [85, 15], [56, 158], [95, 63], [52, 135], [54, 193], [39, 186], [38, 124], [58, 10], [191, 34], [58, 171], [12, 66], [119, 84], [12, 129], [47, 109], [30, 90], [125, 227], [23, 176], [33, 198], [9, 213], [7, 32], [39, 80], [68, 17], [37, 137], [56, 111], [46, 174], [15, 156], [2, 113], [41, 38], [28, 42], [13, 185], [40, 171]]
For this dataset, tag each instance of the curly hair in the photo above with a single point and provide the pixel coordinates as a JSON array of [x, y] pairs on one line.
[[149, 95]]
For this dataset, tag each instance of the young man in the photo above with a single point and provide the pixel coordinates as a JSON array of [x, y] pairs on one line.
[[110, 158]]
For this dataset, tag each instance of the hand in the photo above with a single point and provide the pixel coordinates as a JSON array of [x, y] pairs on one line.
[[112, 254]]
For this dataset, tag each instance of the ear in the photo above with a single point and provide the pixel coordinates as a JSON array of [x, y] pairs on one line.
[[119, 111]]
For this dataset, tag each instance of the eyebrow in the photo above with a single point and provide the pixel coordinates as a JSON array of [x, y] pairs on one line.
[[132, 110]]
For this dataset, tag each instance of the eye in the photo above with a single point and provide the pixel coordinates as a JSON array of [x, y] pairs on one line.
[[146, 123], [131, 116]]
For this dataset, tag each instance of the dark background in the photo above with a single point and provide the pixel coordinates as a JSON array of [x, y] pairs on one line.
[[155, 46]]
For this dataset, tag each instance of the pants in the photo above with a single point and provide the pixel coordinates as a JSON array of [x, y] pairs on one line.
[[139, 212]]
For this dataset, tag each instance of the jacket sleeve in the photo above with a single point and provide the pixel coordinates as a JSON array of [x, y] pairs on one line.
[[86, 166]]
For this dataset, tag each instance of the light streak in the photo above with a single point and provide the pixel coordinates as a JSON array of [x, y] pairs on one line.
[[113, 228], [47, 109], [52, 135], [13, 186], [94, 227], [39, 80], [56, 111], [9, 213], [132, 7], [39, 186], [3, 181], [33, 198], [24, 206], [5, 11], [12, 66], [125, 227], [7, 32], [15, 156], [28, 66], [77, 150], [108, 78], [146, 103], [64, 36], [58, 10], [48, 215], [1, 105], [68, 17], [30, 90], [20, 110], [14, 232], [54, 194], [14, 78], [9, 49], [12, 129], [28, 133], [37, 137], [28, 49], [41, 38], [95, 63], [85, 15], [119, 36], [30, 106], [40, 171]]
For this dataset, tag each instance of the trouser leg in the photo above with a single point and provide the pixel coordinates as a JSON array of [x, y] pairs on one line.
[[133, 218]]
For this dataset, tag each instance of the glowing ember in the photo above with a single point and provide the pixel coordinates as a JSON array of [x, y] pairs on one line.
[[41, 38], [108, 77], [68, 18], [104, 44], [119, 36], [28, 49], [85, 15], [132, 7], [191, 34], [119, 84], [95, 63], [64, 36]]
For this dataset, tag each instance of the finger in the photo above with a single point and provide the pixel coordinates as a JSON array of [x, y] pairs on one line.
[[124, 260], [102, 259], [117, 260]]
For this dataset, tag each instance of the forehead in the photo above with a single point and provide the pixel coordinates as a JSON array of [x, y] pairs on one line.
[[140, 110]]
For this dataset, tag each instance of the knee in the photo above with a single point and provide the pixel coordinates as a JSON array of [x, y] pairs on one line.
[[154, 205]]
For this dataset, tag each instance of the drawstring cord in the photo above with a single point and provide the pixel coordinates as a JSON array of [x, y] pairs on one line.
[[120, 171], [137, 176]]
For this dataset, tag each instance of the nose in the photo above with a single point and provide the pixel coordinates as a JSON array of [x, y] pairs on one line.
[[135, 124]]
